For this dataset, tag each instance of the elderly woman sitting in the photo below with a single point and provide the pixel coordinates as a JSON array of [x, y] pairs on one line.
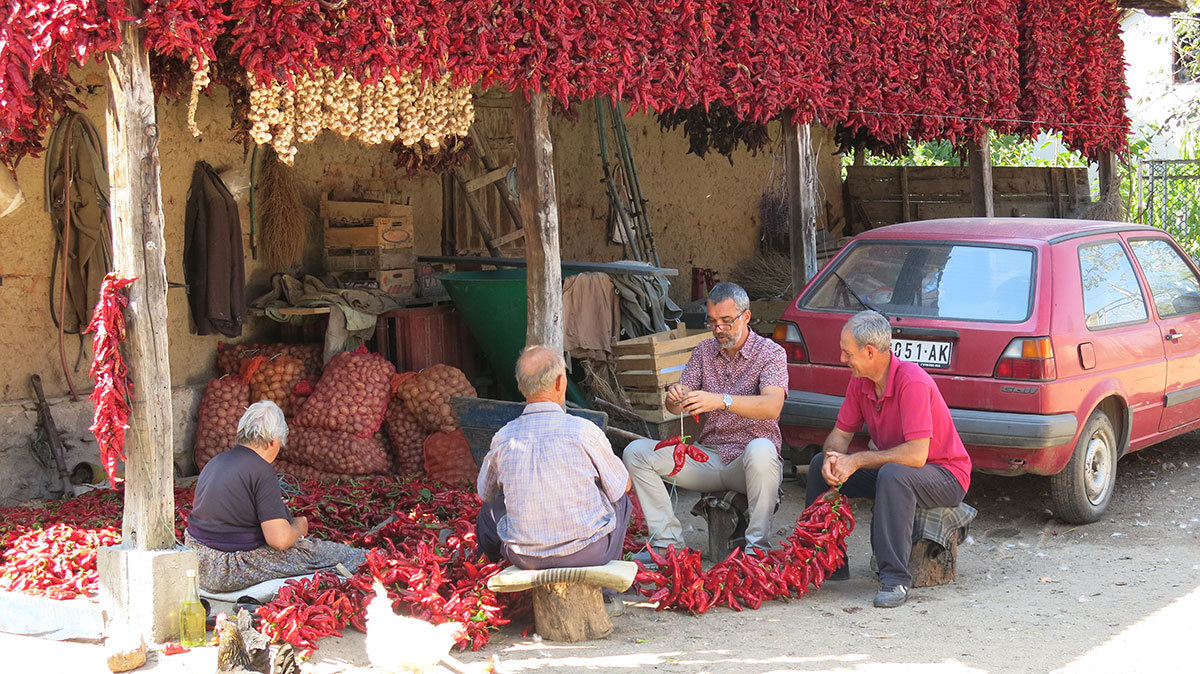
[[239, 525]]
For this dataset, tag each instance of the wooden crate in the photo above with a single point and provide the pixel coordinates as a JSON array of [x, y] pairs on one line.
[[399, 283], [366, 224], [368, 259], [647, 366]]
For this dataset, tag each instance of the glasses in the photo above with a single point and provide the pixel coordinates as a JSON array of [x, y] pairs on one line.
[[722, 325]]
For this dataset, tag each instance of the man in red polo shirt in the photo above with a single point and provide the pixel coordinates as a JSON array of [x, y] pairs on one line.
[[916, 459]]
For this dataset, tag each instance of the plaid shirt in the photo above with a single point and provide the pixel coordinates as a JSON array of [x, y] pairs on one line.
[[758, 364], [559, 479]]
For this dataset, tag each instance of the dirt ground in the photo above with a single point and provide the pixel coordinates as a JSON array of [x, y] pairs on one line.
[[1032, 595]]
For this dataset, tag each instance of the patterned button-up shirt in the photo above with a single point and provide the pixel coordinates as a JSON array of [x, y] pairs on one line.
[[559, 478], [758, 364]]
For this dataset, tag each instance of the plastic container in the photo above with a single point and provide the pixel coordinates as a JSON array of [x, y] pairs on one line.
[[494, 306]]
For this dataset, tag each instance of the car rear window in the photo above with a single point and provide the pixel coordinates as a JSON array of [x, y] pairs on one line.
[[962, 281]]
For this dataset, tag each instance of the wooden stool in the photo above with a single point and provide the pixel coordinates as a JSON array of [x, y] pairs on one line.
[[727, 517], [567, 603]]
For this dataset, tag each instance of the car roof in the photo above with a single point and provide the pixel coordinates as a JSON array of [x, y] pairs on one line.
[[1001, 230]]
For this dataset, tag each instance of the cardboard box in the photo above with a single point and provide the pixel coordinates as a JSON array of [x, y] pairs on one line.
[[428, 284], [397, 282]]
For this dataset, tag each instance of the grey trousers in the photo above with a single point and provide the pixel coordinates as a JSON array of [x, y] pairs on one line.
[[898, 491], [597, 553], [756, 473]]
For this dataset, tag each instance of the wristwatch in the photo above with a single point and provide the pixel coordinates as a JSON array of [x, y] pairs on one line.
[[728, 401]]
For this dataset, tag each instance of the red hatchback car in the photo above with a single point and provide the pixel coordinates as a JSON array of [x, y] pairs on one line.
[[1059, 345]]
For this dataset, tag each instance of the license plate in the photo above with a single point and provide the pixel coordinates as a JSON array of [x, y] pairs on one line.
[[932, 354]]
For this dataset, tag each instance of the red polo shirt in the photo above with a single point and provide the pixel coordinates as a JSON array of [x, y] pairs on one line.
[[910, 408]]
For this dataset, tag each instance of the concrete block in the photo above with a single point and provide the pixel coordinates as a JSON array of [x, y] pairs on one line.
[[142, 590]]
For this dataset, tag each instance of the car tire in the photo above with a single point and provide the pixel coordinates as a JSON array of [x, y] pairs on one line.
[[1081, 491]]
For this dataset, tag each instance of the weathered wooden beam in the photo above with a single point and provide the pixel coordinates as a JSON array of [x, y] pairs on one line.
[[136, 213], [539, 212], [800, 167], [1110, 179], [979, 160], [483, 153]]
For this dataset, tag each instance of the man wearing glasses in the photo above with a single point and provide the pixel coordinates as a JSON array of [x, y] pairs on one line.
[[738, 380]]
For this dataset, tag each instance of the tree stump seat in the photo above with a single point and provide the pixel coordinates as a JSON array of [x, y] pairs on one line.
[[567, 603], [937, 532], [727, 518]]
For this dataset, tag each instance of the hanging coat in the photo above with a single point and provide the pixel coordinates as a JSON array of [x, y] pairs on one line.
[[213, 265]]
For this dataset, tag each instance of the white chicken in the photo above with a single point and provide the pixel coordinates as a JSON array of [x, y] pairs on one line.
[[403, 645]]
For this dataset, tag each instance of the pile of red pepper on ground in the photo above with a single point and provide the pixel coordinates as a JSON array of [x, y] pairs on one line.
[[815, 549], [920, 69], [423, 553]]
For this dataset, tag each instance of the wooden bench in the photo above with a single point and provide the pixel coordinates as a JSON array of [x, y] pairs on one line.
[[567, 603]]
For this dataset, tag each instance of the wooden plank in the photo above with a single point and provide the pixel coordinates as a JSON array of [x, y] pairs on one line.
[[139, 248], [508, 238], [481, 150], [660, 347], [654, 361], [800, 170], [368, 259], [487, 179], [648, 378], [539, 212], [905, 206], [620, 267]]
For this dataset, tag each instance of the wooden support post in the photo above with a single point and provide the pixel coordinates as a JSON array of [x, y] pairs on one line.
[[979, 159], [800, 167], [905, 205], [138, 251], [539, 213], [1110, 183]]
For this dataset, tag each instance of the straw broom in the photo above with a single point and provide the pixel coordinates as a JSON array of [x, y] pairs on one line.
[[283, 217]]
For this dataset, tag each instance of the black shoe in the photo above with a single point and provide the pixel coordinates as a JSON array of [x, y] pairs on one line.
[[840, 573]]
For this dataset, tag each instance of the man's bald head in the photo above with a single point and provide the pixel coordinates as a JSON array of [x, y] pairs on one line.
[[538, 369]]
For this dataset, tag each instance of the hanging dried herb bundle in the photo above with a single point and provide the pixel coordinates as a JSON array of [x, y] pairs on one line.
[[419, 158], [283, 217], [716, 129]]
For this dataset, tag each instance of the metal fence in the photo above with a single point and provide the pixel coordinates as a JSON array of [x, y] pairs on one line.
[[1170, 191]]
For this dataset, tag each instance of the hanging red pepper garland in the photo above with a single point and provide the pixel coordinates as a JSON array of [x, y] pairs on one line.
[[113, 392]]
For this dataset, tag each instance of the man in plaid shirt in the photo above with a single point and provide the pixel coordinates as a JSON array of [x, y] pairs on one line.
[[554, 494], [738, 380]]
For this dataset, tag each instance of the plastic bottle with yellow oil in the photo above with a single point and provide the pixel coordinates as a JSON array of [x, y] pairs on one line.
[[192, 614]]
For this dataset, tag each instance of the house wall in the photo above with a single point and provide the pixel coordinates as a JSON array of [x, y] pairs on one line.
[[1154, 96], [704, 214]]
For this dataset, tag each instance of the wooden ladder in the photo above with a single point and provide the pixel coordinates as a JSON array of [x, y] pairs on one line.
[[493, 174]]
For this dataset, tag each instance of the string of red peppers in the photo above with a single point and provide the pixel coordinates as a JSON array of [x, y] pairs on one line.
[[113, 391], [887, 71], [814, 549]]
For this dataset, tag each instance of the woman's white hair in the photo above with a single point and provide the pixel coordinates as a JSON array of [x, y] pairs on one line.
[[262, 423]]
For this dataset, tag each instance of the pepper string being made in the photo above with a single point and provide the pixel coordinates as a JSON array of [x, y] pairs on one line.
[[113, 392], [815, 549], [682, 450]]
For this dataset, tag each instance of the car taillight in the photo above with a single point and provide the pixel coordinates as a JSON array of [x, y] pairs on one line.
[[788, 336], [1028, 358]]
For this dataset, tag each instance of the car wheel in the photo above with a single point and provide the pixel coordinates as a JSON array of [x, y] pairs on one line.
[[1082, 490]]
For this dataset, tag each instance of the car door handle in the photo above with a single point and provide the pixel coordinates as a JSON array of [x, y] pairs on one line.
[[1173, 336]]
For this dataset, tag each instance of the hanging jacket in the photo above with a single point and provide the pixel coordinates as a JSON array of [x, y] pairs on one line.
[[213, 265]]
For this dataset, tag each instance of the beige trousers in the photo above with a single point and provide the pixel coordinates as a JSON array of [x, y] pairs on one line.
[[756, 473]]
